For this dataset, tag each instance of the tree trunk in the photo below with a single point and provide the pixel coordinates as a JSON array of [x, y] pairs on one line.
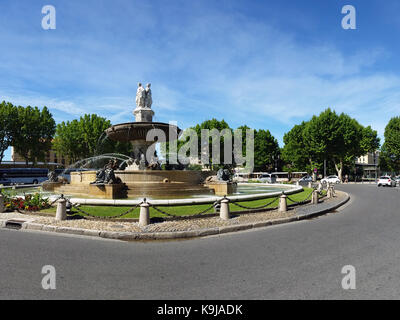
[[339, 171]]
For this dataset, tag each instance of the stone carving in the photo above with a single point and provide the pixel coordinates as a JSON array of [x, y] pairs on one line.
[[154, 163], [140, 96], [223, 175], [148, 98], [106, 175], [52, 176], [144, 97]]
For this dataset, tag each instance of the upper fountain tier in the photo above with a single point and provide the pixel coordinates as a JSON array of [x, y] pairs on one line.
[[136, 132]]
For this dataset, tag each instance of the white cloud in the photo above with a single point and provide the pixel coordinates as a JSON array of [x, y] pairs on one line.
[[202, 63]]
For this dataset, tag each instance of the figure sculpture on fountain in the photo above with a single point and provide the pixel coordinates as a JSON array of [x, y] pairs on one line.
[[143, 97], [140, 96], [144, 101], [106, 175], [148, 98]]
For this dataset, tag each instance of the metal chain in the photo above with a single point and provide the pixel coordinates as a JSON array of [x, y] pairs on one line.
[[60, 197], [105, 217], [255, 208], [303, 201], [193, 215]]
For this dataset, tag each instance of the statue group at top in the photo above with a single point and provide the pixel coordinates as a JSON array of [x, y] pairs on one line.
[[143, 96]]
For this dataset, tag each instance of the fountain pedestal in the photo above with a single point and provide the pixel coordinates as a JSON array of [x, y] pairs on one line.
[[50, 186], [222, 188], [143, 114], [108, 191]]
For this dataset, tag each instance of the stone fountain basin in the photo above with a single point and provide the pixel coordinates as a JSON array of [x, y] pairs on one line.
[[141, 183], [131, 131]]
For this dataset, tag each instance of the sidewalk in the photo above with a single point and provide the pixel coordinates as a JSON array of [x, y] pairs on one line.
[[187, 228]]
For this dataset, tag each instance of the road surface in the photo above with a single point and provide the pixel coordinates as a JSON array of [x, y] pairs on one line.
[[301, 260]]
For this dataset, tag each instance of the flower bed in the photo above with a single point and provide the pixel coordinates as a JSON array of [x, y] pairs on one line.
[[29, 202]]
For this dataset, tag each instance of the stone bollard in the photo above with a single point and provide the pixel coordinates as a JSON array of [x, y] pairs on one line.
[[329, 192], [283, 203], [224, 213], [310, 184], [2, 208], [144, 218], [61, 213], [314, 199]]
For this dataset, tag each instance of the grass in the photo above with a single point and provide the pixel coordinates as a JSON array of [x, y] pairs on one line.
[[104, 211]]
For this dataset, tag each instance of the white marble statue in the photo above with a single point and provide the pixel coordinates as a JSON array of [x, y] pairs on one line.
[[148, 98], [140, 96]]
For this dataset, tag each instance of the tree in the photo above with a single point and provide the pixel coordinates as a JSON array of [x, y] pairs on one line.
[[297, 152], [213, 126], [8, 126], [36, 129], [266, 150], [370, 141], [390, 155], [84, 138], [338, 138]]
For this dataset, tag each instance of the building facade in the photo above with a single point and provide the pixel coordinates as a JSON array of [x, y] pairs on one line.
[[369, 165], [52, 158]]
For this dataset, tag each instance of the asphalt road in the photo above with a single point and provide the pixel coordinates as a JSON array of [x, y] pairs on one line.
[[300, 260]]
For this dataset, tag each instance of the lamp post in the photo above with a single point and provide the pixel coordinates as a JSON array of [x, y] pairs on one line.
[[275, 159]]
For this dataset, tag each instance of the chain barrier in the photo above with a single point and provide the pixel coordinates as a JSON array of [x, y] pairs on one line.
[[192, 215], [301, 202], [76, 206], [60, 197], [255, 208], [105, 217]]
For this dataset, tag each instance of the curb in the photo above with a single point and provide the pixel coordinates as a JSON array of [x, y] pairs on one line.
[[130, 236]]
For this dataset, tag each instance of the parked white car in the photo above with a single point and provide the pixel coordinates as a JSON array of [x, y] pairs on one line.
[[386, 181], [331, 179]]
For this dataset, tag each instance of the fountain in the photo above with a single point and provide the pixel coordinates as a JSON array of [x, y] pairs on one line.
[[138, 177]]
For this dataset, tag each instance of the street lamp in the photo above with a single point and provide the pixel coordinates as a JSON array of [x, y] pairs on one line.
[[276, 162]]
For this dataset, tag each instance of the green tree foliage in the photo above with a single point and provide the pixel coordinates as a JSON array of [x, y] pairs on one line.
[[83, 138], [390, 155], [336, 138], [8, 126], [36, 129], [266, 150], [215, 125], [266, 147], [296, 152]]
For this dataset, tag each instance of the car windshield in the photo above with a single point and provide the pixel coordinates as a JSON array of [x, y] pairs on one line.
[[384, 178]]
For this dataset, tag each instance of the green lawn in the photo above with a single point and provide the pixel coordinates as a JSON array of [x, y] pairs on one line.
[[103, 211]]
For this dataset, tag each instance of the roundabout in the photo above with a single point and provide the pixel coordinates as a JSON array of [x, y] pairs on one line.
[[224, 215], [300, 260]]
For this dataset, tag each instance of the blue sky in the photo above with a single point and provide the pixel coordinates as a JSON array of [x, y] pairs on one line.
[[267, 64]]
